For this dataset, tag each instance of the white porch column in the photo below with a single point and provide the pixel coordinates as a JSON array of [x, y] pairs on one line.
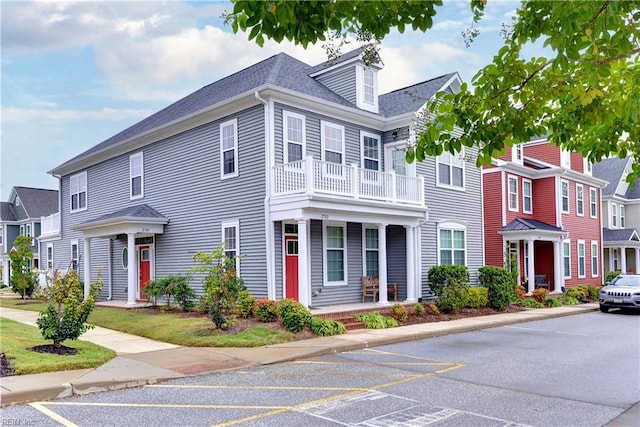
[[531, 277], [382, 264], [304, 294], [418, 274], [637, 266], [132, 269], [411, 264], [611, 266], [558, 269], [87, 267], [623, 259], [6, 274]]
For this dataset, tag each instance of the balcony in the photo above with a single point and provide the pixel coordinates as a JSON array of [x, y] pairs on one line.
[[310, 176], [50, 225]]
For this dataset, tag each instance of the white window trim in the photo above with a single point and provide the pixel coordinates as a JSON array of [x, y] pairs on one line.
[[464, 173], [365, 249], [22, 231], [82, 176], [567, 241], [596, 257], [529, 196], [360, 98], [613, 219], [389, 149], [324, 254], [285, 123], [517, 153], [565, 159], [2, 238], [233, 224], [125, 251], [454, 226], [50, 260], [622, 216], [234, 123], [584, 259], [587, 167], [364, 134], [579, 201], [509, 193], [323, 125], [131, 176], [593, 201], [71, 244], [563, 181]]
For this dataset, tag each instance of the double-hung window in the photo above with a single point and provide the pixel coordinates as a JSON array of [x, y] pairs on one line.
[[229, 149], [371, 252], [370, 151], [513, 193], [579, 200], [78, 191], [566, 259], [516, 153], [335, 254], [294, 136], [622, 216], [332, 142], [452, 244], [527, 200], [582, 272], [614, 215], [136, 176], [565, 195], [230, 240], [368, 85], [595, 263], [593, 200], [74, 255], [450, 169], [1, 235], [50, 256]]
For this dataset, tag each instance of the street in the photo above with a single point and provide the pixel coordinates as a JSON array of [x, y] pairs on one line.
[[577, 370]]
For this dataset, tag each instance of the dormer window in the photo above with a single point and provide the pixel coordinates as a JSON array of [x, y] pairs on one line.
[[516, 154], [367, 88], [587, 166], [565, 159]]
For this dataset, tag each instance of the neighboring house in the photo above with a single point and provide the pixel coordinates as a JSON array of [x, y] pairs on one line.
[[620, 216], [542, 216], [20, 215], [300, 169]]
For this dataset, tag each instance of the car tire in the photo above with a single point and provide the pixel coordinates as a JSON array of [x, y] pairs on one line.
[[604, 309]]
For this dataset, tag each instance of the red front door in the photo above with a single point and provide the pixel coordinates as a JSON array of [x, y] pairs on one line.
[[291, 266], [144, 269]]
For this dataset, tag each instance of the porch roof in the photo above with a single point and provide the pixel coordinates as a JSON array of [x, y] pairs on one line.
[[140, 219], [620, 235], [527, 228]]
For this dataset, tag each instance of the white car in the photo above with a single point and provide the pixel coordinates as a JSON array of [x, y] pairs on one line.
[[622, 292]]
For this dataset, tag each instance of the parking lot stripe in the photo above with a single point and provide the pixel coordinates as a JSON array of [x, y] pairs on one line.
[[49, 413]]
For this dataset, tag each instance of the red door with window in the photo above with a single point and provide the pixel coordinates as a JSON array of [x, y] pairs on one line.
[[291, 266], [144, 269]]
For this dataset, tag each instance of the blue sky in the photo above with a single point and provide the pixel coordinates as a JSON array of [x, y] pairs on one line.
[[76, 73]]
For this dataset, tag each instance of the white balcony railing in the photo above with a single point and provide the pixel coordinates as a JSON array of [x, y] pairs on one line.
[[315, 176], [50, 225]]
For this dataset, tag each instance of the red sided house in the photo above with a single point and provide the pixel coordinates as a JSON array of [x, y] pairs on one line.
[[542, 216]]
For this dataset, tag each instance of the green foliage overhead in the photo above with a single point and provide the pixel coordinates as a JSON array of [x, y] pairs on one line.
[[585, 96]]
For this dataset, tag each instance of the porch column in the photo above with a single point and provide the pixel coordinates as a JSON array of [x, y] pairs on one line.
[[623, 259], [303, 264], [382, 264], [132, 269], [611, 265], [87, 267], [5, 272], [558, 270], [637, 266], [531, 277], [411, 264]]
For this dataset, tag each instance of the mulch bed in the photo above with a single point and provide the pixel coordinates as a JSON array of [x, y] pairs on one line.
[[5, 367], [52, 349]]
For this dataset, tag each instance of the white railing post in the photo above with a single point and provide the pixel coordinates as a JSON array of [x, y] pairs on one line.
[[394, 186], [309, 172], [421, 189], [355, 181]]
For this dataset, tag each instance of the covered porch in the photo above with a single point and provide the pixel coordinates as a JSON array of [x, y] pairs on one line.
[[621, 250]]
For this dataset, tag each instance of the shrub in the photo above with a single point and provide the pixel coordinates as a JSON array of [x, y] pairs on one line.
[[442, 276], [521, 292], [174, 286], [246, 304], [531, 303], [540, 294], [593, 291], [68, 311], [217, 315], [399, 313], [326, 327], [552, 302], [477, 297], [24, 280], [610, 276], [501, 286], [419, 309], [294, 316], [568, 300], [579, 292], [434, 309], [266, 310], [375, 320]]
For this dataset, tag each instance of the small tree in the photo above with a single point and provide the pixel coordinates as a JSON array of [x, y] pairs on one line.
[[67, 313], [23, 279]]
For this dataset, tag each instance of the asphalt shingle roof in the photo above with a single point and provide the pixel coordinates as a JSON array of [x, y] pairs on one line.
[[618, 235], [38, 202], [140, 212], [522, 224], [411, 98], [8, 212], [610, 170]]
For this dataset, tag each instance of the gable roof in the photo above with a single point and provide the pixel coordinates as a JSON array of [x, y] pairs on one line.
[[143, 211], [36, 202], [411, 98], [611, 170], [619, 235], [522, 224]]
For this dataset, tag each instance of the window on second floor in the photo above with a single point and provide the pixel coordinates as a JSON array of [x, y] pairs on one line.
[[579, 200], [136, 176], [229, 149], [527, 198], [450, 170], [565, 196], [332, 136], [516, 153], [593, 202], [294, 136], [370, 151], [614, 215], [622, 216], [513, 193], [78, 192]]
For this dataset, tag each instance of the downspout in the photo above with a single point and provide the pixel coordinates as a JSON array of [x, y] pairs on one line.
[[269, 229]]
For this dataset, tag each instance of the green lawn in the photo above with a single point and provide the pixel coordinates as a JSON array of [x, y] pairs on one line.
[[16, 338], [170, 327]]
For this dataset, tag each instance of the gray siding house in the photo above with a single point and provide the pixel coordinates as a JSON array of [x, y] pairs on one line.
[[300, 169], [21, 215]]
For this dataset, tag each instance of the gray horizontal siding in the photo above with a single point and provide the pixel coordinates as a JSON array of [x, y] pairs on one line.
[[342, 82]]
